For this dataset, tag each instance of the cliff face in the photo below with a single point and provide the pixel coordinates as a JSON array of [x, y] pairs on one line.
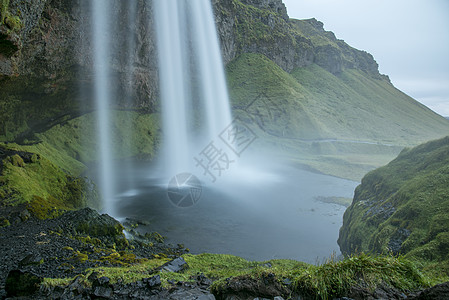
[[55, 43], [263, 26], [259, 26], [45, 46]]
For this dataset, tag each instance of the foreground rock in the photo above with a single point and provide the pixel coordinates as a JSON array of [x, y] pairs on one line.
[[438, 292], [147, 288], [247, 288], [68, 245]]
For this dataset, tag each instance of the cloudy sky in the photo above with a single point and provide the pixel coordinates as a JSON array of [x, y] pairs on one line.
[[409, 39]]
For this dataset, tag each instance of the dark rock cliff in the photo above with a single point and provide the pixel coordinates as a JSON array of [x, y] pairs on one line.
[[260, 26], [55, 44], [46, 63]]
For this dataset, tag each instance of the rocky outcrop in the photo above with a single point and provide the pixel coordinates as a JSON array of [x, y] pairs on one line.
[[275, 6], [437, 292], [331, 53], [46, 71], [263, 26], [260, 26]]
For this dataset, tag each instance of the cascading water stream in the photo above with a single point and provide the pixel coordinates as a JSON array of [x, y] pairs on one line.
[[192, 80], [130, 46], [101, 43], [214, 92], [173, 70]]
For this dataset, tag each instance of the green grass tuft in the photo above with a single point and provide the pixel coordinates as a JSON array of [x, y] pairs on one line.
[[328, 280], [335, 278]]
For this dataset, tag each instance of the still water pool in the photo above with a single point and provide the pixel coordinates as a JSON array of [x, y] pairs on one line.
[[255, 214]]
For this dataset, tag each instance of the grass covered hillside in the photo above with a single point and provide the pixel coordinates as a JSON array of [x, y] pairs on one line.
[[342, 124], [312, 103], [404, 208], [45, 176]]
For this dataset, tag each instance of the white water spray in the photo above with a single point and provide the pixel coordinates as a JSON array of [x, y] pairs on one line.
[[192, 80], [101, 13], [208, 55]]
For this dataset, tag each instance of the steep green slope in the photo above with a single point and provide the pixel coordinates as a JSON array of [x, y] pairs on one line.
[[356, 105], [312, 103], [404, 207], [273, 99]]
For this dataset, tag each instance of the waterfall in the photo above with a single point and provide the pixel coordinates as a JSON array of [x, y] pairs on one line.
[[194, 98], [212, 77], [101, 44], [195, 105], [130, 46]]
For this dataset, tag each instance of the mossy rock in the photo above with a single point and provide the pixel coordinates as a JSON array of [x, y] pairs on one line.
[[4, 222], [96, 229], [48, 208], [155, 236], [80, 257], [47, 191], [13, 22], [16, 161]]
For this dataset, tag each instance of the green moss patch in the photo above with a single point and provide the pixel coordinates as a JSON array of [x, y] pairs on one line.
[[74, 144], [334, 279], [47, 191]]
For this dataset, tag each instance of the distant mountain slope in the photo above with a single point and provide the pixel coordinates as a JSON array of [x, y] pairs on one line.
[[355, 104], [344, 124], [312, 103], [403, 207]]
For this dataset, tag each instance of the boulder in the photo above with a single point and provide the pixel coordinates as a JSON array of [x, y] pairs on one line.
[[19, 284]]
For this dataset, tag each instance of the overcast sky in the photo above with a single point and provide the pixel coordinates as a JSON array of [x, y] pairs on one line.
[[409, 39]]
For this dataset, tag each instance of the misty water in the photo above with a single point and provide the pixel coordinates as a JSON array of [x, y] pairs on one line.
[[261, 214]]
